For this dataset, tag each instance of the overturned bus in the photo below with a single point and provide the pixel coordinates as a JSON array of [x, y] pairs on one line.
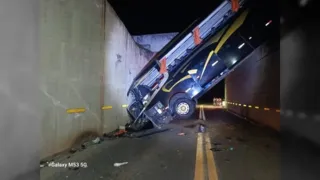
[[196, 60]]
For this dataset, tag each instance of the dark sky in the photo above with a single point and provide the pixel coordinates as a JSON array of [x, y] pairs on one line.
[[162, 16], [159, 16]]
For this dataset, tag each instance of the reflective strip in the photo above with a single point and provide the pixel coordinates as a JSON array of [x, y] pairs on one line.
[[76, 110], [106, 107]]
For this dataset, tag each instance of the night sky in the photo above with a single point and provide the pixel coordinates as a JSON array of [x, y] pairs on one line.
[[165, 16]]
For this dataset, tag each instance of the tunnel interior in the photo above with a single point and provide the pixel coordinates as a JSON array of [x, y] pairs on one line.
[[87, 59]]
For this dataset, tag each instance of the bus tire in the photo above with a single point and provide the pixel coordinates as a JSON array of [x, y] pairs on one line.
[[183, 108]]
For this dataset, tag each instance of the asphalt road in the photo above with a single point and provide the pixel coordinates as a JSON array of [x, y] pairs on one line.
[[229, 149]]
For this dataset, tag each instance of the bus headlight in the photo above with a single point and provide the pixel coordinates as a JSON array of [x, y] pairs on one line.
[[159, 111], [145, 99], [159, 107]]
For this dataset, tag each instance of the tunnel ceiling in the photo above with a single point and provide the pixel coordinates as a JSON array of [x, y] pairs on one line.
[[155, 16]]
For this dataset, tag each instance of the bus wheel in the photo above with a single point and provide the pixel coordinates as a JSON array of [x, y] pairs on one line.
[[183, 108]]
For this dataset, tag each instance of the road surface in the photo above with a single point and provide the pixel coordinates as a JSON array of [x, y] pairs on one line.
[[229, 149]]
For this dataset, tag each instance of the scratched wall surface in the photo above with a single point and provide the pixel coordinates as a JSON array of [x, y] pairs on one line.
[[73, 60], [256, 82], [154, 42], [124, 59]]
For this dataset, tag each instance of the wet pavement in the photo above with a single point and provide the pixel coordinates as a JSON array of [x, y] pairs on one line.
[[230, 149]]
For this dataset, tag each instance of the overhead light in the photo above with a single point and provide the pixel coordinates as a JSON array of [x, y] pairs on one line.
[[214, 63], [269, 22], [234, 61], [241, 45], [221, 74], [188, 89], [250, 37]]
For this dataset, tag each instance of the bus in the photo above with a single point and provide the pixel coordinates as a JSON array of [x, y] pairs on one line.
[[196, 60]]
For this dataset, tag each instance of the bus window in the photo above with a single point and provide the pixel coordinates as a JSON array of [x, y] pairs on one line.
[[213, 69], [234, 50], [257, 27]]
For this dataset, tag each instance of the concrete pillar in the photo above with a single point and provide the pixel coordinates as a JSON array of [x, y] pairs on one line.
[[19, 114]]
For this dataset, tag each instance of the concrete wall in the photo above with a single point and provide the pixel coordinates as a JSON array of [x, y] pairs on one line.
[[19, 113], [123, 60], [300, 100], [256, 82], [154, 42], [83, 67]]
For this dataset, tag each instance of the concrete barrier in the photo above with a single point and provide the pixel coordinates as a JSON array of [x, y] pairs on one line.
[[88, 60]]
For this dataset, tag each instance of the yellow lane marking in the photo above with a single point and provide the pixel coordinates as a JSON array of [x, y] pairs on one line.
[[76, 110], [212, 169], [106, 107], [199, 170]]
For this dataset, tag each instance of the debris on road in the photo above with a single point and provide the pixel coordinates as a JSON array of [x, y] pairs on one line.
[[83, 146], [73, 150], [120, 132], [133, 134], [181, 134], [119, 164], [217, 144], [215, 149], [96, 141], [115, 134], [201, 128]]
